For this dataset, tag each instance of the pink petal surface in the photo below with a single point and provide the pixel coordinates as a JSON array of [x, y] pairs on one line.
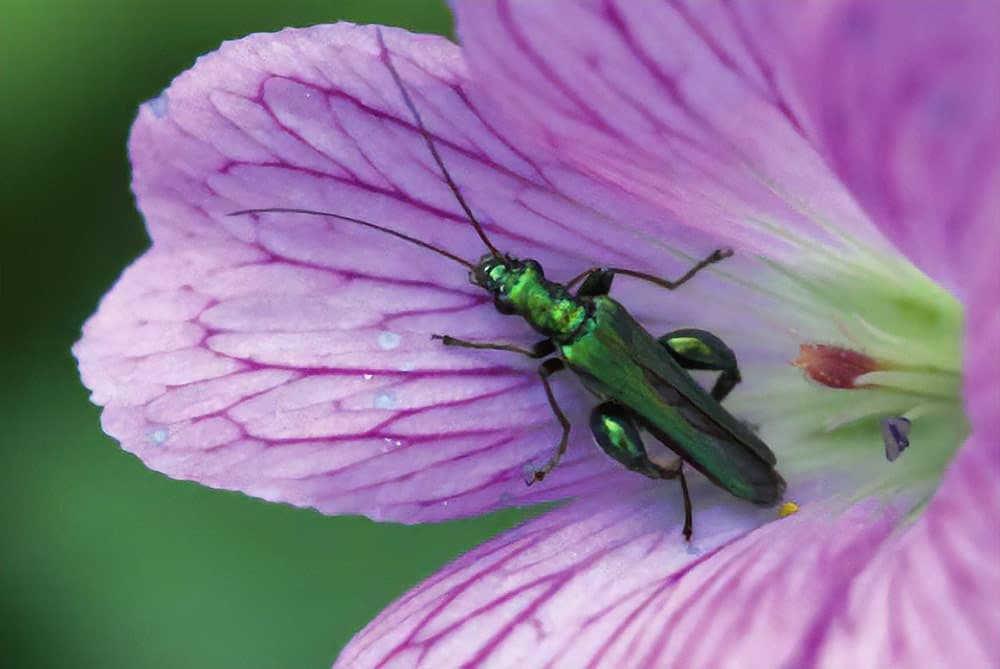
[[678, 103], [725, 114], [930, 599], [609, 583], [905, 105], [290, 357]]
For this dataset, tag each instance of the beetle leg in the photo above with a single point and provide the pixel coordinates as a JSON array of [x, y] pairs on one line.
[[545, 370], [712, 258], [699, 349], [617, 433], [539, 350], [596, 282], [688, 513]]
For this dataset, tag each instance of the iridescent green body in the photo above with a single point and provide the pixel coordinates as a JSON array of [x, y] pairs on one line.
[[639, 378]]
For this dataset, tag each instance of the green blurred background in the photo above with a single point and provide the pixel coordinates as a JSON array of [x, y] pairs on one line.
[[104, 563]]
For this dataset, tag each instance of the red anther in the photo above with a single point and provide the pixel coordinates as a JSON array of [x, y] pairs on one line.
[[834, 366]]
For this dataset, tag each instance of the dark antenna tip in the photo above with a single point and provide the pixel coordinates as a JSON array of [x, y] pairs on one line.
[[430, 143]]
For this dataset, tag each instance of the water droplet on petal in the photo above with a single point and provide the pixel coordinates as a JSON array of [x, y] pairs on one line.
[[408, 366], [367, 377], [158, 436], [159, 105], [388, 340], [385, 399], [390, 444], [530, 473]]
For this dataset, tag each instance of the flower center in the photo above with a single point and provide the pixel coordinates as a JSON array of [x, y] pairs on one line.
[[877, 372]]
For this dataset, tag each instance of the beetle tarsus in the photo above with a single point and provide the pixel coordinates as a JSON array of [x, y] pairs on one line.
[[545, 370], [688, 514]]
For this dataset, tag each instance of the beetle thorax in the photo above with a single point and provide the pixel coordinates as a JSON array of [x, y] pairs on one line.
[[520, 287]]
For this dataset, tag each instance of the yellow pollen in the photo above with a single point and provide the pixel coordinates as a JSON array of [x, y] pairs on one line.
[[787, 509]]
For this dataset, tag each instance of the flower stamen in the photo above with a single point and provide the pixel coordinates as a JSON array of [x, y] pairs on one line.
[[834, 366]]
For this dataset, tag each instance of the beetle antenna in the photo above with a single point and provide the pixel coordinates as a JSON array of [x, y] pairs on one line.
[[388, 231], [430, 145]]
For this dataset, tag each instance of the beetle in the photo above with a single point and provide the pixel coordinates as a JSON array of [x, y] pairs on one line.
[[641, 381]]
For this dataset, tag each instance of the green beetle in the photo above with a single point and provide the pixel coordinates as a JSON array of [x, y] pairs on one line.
[[641, 381]]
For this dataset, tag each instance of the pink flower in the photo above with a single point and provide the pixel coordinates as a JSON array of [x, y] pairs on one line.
[[832, 145]]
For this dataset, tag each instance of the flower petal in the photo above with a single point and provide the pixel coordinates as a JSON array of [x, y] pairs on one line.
[[660, 98], [676, 102], [610, 583], [904, 103], [290, 356], [938, 586], [929, 599], [607, 582], [981, 374]]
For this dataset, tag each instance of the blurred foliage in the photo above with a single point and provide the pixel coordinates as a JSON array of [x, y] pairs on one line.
[[104, 563]]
